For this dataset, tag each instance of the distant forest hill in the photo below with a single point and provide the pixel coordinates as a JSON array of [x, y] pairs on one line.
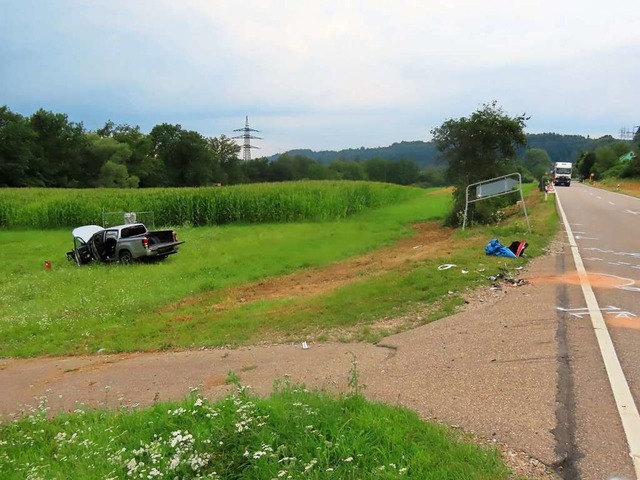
[[561, 148]]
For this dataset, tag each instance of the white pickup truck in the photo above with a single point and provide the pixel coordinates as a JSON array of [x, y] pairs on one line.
[[122, 243]]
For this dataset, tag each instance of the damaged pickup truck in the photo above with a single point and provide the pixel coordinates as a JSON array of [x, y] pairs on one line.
[[122, 243]]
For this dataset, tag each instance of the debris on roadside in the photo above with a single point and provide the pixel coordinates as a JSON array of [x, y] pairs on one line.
[[447, 266], [515, 250], [499, 280]]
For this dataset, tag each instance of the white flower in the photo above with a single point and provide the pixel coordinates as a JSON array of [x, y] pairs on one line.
[[131, 465]]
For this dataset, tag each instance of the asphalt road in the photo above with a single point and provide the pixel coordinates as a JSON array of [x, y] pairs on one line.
[[606, 230]]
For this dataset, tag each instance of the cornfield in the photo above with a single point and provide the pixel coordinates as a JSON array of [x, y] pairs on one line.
[[257, 203]]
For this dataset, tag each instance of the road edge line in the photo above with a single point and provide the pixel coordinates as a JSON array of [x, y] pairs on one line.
[[621, 393]]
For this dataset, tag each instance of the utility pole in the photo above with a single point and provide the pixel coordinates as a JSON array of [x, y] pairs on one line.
[[246, 136]]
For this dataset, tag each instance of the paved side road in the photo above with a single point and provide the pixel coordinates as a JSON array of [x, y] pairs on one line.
[[491, 370]]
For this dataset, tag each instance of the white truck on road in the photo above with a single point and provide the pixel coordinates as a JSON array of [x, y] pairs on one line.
[[562, 173]]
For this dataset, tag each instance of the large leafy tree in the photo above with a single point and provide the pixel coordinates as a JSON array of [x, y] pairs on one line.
[[377, 169], [58, 150], [16, 143], [537, 161], [606, 158], [347, 170], [478, 147], [108, 158], [140, 163], [404, 172], [186, 155], [585, 163], [226, 167], [256, 170]]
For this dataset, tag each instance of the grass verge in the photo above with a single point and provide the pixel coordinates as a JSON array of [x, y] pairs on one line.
[[294, 433], [628, 186]]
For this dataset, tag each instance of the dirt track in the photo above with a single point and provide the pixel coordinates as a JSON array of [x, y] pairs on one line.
[[490, 370]]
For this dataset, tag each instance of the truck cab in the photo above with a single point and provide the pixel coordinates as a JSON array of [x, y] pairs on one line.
[[562, 173]]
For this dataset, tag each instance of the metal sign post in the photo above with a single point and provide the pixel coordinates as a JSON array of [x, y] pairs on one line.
[[494, 187]]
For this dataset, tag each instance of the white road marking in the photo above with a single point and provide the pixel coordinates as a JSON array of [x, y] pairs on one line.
[[622, 254], [624, 400], [632, 212], [580, 237], [611, 203], [610, 310], [598, 197]]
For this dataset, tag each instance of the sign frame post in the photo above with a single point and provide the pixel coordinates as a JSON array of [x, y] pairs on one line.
[[495, 187]]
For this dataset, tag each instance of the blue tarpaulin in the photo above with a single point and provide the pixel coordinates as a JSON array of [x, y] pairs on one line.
[[494, 247]]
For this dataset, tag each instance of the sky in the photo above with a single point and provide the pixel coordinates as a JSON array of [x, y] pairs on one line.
[[323, 75]]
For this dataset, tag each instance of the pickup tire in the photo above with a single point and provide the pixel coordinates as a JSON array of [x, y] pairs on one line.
[[125, 257]]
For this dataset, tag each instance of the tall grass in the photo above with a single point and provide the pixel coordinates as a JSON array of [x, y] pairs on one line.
[[293, 434], [257, 203]]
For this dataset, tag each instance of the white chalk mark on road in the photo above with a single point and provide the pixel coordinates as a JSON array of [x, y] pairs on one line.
[[610, 310]]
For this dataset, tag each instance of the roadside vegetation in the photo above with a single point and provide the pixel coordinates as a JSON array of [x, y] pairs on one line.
[[294, 433], [278, 263], [189, 300], [613, 162], [628, 186]]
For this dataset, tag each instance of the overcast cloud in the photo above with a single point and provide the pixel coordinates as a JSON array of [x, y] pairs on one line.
[[324, 75]]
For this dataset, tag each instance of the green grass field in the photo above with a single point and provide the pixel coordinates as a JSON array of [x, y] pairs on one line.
[[293, 433], [113, 308]]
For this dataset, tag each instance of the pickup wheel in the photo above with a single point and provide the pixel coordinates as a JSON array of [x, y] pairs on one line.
[[125, 257]]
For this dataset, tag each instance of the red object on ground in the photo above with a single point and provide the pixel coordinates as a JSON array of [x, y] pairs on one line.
[[47, 265]]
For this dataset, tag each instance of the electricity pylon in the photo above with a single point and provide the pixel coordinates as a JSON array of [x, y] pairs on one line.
[[246, 137]]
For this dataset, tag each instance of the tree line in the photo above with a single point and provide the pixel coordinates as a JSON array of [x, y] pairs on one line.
[[47, 150], [604, 161]]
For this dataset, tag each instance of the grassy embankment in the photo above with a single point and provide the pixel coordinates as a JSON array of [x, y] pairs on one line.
[[292, 434], [626, 186], [109, 308]]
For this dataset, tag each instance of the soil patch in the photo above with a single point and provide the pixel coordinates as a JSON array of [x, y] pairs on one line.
[[430, 238]]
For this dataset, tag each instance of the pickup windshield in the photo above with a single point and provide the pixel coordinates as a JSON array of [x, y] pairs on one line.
[[132, 231]]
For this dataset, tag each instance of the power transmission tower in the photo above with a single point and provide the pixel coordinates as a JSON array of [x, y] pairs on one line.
[[246, 137], [628, 133]]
